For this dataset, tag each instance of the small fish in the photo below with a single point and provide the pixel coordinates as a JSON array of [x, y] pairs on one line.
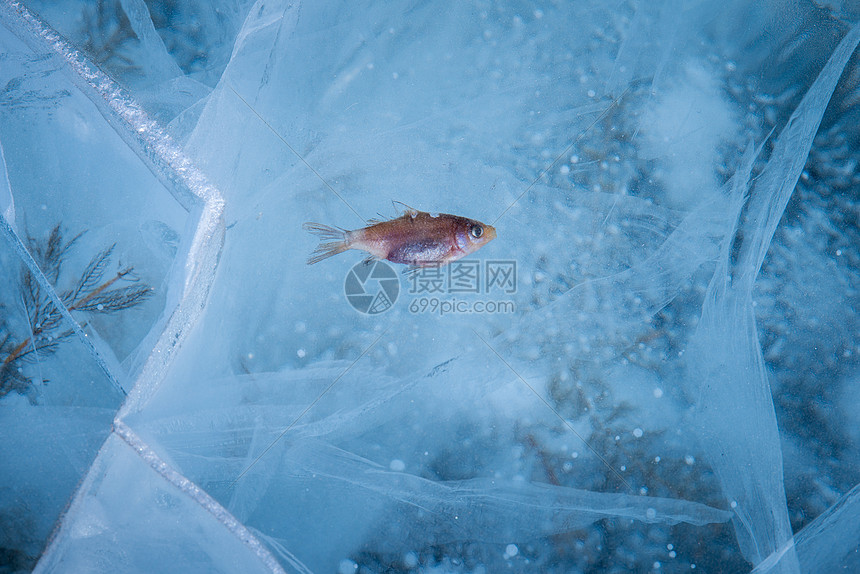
[[416, 238]]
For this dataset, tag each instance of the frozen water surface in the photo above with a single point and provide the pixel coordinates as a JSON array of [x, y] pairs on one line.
[[668, 381]]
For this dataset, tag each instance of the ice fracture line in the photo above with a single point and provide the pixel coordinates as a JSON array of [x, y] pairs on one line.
[[297, 154], [555, 412], [562, 154], [309, 407]]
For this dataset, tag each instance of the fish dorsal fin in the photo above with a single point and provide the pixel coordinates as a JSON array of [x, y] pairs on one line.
[[405, 209]]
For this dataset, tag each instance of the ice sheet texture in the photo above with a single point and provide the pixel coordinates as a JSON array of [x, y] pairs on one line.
[[99, 217], [636, 159], [108, 520], [86, 229], [726, 370]]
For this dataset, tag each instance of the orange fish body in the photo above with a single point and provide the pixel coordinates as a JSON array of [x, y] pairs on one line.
[[416, 238]]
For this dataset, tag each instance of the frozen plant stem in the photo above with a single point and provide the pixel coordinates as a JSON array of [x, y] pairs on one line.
[[90, 294], [16, 352]]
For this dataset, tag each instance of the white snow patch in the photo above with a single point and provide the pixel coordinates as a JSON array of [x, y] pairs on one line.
[[685, 128]]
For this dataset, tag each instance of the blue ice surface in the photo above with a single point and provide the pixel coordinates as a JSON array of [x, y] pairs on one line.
[[646, 396]]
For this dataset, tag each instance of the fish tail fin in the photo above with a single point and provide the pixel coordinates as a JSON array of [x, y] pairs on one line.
[[326, 250], [338, 241]]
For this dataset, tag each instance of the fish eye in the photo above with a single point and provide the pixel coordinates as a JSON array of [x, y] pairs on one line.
[[477, 231]]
